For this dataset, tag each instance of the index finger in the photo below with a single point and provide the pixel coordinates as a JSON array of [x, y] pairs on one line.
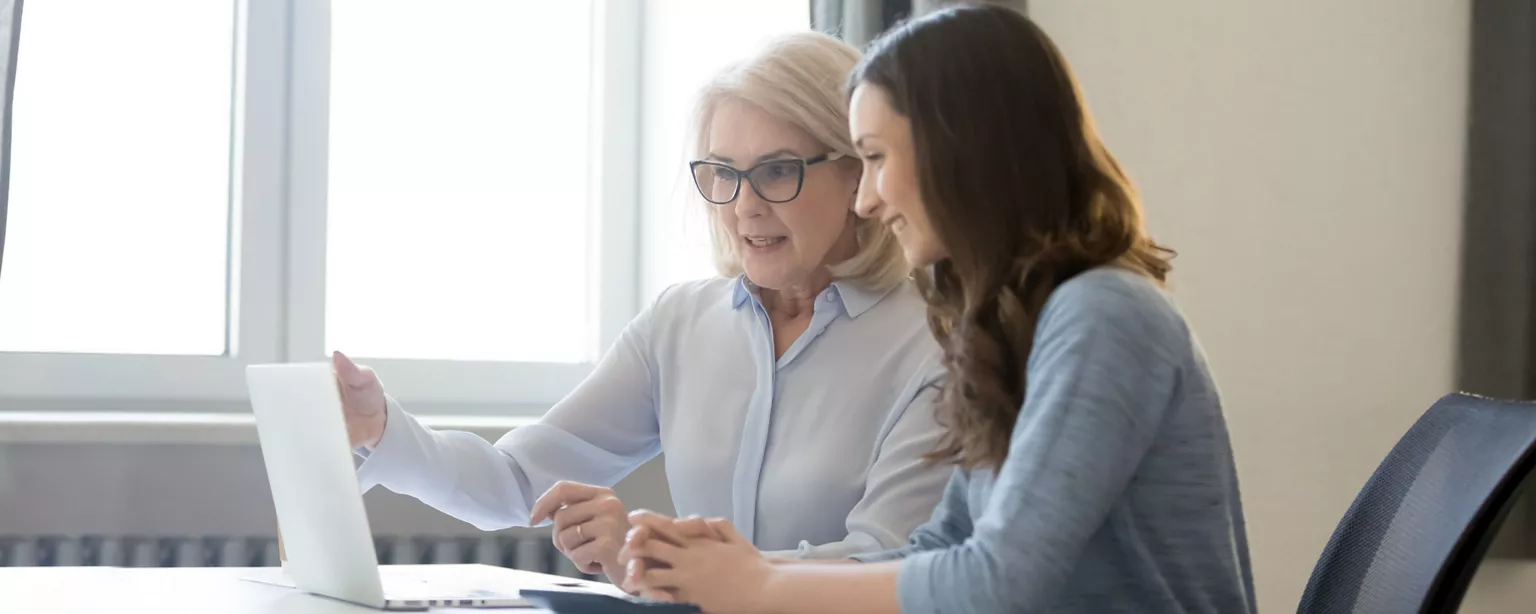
[[647, 519], [561, 494], [656, 526], [346, 370], [695, 527], [633, 540]]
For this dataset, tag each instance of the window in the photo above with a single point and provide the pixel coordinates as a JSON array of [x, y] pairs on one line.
[[120, 179], [460, 193], [687, 42], [459, 202], [461, 207]]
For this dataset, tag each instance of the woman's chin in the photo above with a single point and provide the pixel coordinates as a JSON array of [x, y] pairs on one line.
[[769, 282], [768, 275], [917, 257]]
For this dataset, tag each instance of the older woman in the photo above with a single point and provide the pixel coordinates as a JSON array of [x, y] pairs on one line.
[[792, 394]]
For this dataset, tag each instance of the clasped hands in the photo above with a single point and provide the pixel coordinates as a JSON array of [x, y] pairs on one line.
[[694, 560], [689, 560]]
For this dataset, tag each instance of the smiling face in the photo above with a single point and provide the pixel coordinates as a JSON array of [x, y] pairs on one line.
[[889, 190], [789, 244]]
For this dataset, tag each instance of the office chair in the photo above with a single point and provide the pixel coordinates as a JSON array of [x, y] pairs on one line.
[[1417, 531]]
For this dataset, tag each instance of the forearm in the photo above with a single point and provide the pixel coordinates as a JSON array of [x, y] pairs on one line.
[[852, 544], [791, 561], [407, 459], [834, 589], [457, 473]]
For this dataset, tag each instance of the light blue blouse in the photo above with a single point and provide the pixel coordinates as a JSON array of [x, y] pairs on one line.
[[817, 452]]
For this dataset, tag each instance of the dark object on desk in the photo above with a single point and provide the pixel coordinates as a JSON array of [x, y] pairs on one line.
[[570, 602], [10, 37], [1417, 532]]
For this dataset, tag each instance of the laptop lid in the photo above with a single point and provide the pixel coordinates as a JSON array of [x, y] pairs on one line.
[[314, 483]]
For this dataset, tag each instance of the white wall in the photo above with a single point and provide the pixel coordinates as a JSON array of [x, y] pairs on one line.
[[1305, 159], [1501, 586]]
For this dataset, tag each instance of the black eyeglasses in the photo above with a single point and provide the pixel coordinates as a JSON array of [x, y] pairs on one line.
[[776, 181]]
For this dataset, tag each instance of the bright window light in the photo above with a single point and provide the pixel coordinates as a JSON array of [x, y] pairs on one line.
[[119, 203], [686, 43], [460, 214]]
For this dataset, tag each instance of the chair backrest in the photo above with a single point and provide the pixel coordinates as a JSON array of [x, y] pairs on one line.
[[1415, 534]]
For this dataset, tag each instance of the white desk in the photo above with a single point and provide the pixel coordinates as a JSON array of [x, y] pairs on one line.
[[201, 590]]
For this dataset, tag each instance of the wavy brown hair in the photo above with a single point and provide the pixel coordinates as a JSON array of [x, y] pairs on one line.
[[1018, 188]]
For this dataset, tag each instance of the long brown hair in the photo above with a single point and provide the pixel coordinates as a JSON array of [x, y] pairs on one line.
[[1018, 188]]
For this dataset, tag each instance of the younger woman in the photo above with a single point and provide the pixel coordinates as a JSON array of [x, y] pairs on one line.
[[1093, 467]]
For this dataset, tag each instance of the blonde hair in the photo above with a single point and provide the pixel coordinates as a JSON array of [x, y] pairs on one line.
[[798, 79]]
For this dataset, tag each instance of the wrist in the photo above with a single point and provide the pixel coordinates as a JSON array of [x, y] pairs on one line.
[[383, 421], [768, 592]]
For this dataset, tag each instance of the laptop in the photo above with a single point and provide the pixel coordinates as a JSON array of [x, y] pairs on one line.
[[314, 484]]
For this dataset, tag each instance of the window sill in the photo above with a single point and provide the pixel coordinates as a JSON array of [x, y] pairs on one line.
[[150, 428]]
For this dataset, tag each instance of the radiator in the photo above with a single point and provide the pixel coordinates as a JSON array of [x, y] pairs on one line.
[[532, 553]]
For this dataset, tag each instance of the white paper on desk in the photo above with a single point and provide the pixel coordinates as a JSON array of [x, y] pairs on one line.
[[453, 578], [275, 576]]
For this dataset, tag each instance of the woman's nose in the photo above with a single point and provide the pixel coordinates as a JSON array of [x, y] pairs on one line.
[[748, 203], [866, 203]]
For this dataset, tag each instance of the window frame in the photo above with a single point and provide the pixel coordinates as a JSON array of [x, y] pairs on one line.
[[277, 229], [255, 209]]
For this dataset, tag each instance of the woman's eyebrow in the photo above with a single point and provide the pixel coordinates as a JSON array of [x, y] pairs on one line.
[[777, 153]]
